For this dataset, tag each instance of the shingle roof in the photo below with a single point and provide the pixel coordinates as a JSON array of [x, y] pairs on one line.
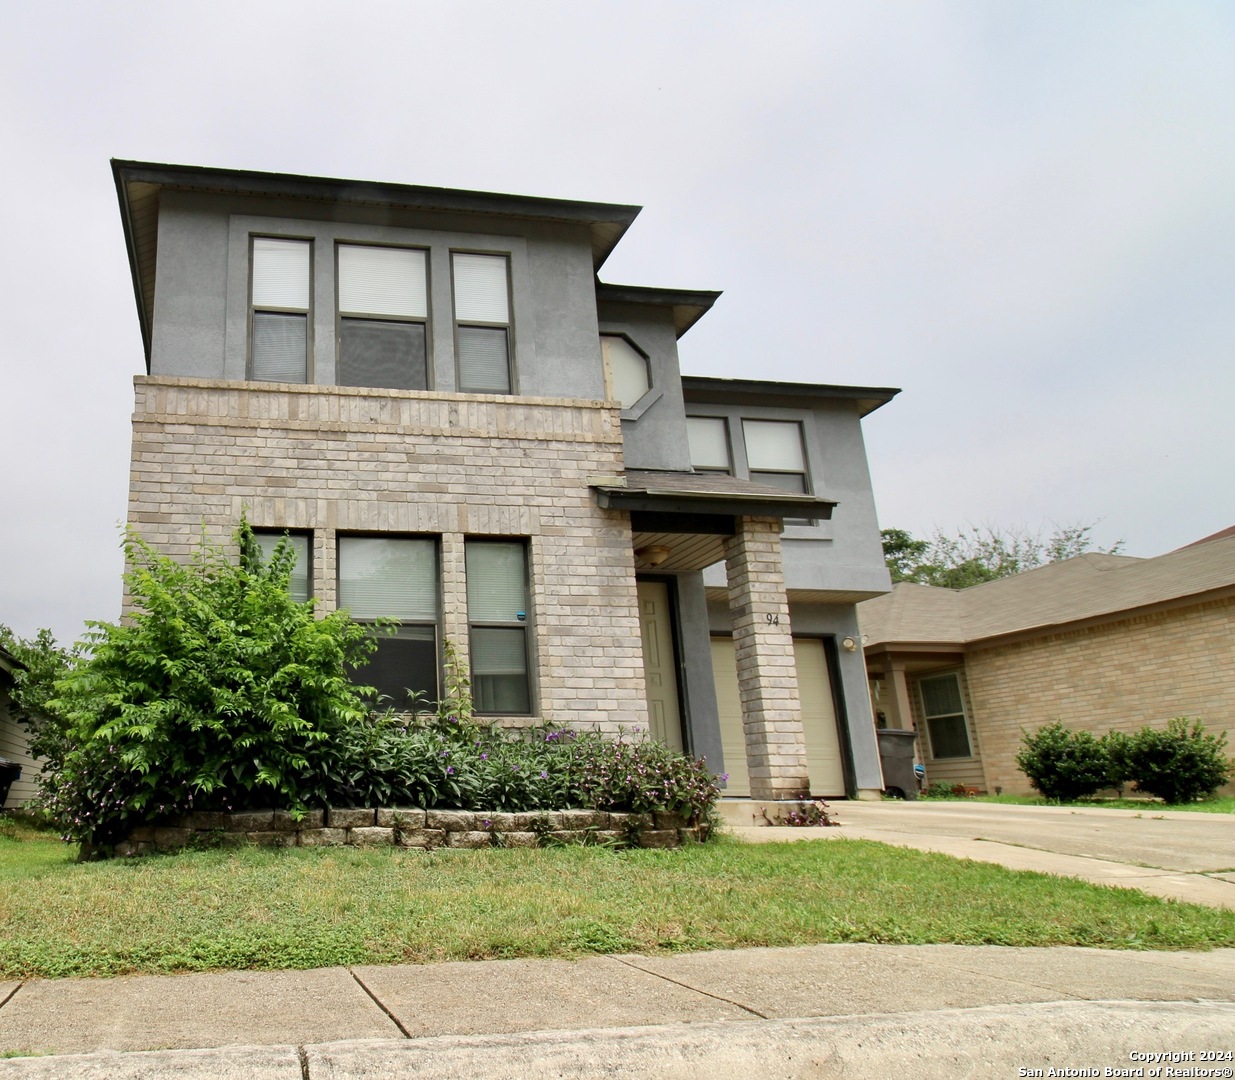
[[1086, 587]]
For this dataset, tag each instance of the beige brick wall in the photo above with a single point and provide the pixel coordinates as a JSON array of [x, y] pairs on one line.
[[1121, 675], [763, 648], [339, 459]]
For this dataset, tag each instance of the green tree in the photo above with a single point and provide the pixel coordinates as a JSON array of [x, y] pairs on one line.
[[977, 554], [43, 664], [212, 693]]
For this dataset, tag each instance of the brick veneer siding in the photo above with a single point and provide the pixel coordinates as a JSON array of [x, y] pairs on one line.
[[767, 675], [1120, 675], [340, 459]]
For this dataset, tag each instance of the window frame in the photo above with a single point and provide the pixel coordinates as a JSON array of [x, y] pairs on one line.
[[526, 626], [963, 715], [371, 620], [425, 321], [729, 470], [508, 326], [255, 309], [756, 476], [278, 534], [607, 368]]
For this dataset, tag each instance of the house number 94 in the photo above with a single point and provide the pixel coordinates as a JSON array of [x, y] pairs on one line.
[[773, 620]]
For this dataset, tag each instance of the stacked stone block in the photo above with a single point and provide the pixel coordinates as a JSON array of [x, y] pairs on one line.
[[425, 830]]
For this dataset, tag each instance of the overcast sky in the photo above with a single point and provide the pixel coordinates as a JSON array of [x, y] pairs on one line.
[[1022, 213]]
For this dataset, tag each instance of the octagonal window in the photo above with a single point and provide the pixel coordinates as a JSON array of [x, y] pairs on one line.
[[626, 369]]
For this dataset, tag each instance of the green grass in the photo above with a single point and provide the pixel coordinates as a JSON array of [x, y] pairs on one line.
[[1221, 804], [261, 909]]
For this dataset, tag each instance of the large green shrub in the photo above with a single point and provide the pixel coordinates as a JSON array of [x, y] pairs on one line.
[[212, 694], [1178, 764], [45, 663], [1065, 764]]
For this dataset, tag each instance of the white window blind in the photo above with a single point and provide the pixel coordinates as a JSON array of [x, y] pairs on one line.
[[280, 273], [941, 696], [480, 288], [498, 651], [628, 369], [496, 582], [382, 281], [774, 445], [392, 578], [708, 441]]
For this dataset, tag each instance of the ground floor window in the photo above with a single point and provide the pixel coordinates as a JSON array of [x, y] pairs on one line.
[[497, 615], [299, 586], [943, 709], [395, 578]]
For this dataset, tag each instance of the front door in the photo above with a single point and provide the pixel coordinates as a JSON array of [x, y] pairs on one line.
[[659, 667]]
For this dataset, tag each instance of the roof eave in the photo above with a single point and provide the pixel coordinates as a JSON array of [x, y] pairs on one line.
[[706, 389]]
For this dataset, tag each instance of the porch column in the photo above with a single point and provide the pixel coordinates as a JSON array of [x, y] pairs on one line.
[[900, 712], [767, 676]]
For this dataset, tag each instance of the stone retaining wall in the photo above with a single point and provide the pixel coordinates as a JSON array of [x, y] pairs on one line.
[[422, 829]]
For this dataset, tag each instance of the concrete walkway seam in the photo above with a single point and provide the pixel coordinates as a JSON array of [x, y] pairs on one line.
[[686, 986]]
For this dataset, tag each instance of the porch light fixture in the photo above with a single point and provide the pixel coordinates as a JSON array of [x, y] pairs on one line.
[[654, 555], [852, 643]]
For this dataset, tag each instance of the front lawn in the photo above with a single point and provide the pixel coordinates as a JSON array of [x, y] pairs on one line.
[[264, 909]]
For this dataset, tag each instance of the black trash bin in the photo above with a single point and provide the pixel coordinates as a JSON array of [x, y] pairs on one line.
[[9, 771], [896, 758]]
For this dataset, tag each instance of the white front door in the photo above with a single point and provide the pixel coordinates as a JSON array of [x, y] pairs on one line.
[[659, 668]]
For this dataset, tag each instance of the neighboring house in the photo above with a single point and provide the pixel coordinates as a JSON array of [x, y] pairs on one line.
[[14, 738], [461, 428], [1099, 642]]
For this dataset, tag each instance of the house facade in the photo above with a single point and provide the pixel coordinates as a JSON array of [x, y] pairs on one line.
[[462, 429], [14, 739], [1099, 642]]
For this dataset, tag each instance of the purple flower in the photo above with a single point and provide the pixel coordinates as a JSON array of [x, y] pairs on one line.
[[544, 775], [450, 770], [484, 757]]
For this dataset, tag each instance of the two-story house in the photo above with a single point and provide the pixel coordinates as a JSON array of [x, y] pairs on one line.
[[462, 429]]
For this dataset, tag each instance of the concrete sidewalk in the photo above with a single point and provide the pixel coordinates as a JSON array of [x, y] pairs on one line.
[[1178, 855], [830, 1010]]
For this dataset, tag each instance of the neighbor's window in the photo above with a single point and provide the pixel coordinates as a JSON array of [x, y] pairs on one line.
[[381, 577], [383, 312], [298, 587], [944, 712], [497, 616], [482, 322], [279, 349], [626, 370], [708, 438]]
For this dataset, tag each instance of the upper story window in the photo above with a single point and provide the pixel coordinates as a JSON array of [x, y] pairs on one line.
[[708, 438], [395, 578], [775, 455], [279, 344], [626, 370], [383, 317], [482, 322]]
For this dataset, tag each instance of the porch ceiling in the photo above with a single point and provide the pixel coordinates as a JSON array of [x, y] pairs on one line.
[[687, 551]]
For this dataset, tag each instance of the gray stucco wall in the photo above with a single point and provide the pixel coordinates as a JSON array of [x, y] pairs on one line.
[[654, 431], [843, 554], [698, 685], [201, 310]]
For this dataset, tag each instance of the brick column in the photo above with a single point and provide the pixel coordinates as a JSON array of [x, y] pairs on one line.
[[767, 676], [454, 596]]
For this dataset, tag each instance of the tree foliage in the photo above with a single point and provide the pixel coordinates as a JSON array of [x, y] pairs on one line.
[[977, 554], [44, 663], [211, 694]]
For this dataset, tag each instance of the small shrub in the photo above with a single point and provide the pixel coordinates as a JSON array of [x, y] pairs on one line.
[[1065, 765], [1178, 764], [938, 790]]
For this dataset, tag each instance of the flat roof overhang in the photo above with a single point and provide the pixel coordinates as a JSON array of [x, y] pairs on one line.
[[699, 390], [712, 504]]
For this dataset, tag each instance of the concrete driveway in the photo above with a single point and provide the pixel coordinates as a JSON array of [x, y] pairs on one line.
[[1175, 854]]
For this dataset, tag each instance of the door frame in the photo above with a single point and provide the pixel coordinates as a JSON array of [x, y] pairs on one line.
[[670, 582]]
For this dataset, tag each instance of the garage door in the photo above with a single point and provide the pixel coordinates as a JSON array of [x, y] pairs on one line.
[[823, 753]]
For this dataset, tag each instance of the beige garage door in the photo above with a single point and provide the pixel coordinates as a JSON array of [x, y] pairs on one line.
[[823, 754]]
